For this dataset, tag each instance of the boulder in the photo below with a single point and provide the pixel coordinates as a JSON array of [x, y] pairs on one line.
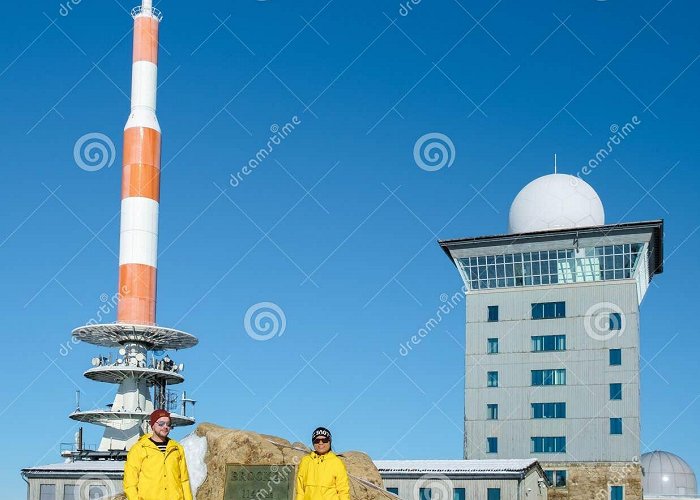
[[230, 446]]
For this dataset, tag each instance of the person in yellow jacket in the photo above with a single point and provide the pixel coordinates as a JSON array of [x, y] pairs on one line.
[[322, 475], [155, 466]]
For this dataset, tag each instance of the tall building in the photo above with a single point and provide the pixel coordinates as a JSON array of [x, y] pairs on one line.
[[133, 350], [552, 338]]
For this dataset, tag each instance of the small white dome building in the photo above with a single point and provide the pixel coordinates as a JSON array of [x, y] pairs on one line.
[[667, 476], [555, 201]]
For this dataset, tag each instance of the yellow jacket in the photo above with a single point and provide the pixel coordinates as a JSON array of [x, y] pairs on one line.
[[322, 477], [150, 474]]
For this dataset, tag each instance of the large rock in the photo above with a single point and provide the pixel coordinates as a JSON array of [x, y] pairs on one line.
[[231, 446]]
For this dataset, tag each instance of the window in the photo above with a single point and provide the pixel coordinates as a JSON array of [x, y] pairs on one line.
[[492, 412], [615, 357], [459, 494], [549, 377], [543, 343], [493, 313], [548, 410], [546, 444], [615, 426], [493, 493], [568, 265], [556, 477], [615, 321], [47, 491], [617, 493], [395, 491], [615, 391], [492, 379], [424, 494], [70, 492], [491, 445], [548, 310], [492, 347]]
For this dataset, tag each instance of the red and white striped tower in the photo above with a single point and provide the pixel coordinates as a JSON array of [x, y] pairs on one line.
[[139, 367], [141, 179]]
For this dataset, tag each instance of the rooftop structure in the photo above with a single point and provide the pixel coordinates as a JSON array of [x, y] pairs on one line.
[[666, 474]]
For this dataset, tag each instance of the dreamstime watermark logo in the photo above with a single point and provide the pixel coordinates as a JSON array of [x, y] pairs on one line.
[[406, 8], [279, 134], [96, 486], [108, 304], [440, 486], [604, 321], [67, 7], [264, 320], [94, 151], [433, 151], [276, 475], [619, 134], [448, 305]]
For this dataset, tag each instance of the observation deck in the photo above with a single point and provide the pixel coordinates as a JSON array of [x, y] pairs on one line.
[[150, 336], [123, 420]]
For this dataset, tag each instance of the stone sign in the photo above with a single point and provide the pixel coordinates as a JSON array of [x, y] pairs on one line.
[[259, 482]]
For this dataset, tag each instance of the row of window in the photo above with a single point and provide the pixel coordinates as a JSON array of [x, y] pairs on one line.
[[549, 343], [538, 444], [70, 492], [546, 267], [457, 493], [557, 479], [550, 410], [553, 310], [555, 376]]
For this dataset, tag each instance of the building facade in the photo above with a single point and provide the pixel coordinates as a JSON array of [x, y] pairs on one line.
[[464, 479], [552, 349]]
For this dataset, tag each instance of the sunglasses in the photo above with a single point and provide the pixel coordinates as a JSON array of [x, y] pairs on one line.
[[321, 440], [164, 424]]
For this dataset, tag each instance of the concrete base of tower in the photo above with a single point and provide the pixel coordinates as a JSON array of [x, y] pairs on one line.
[[594, 480]]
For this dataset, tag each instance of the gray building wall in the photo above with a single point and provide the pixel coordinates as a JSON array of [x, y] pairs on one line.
[[442, 487], [588, 373]]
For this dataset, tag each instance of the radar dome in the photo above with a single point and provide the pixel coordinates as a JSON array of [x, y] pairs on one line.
[[667, 474], [555, 201]]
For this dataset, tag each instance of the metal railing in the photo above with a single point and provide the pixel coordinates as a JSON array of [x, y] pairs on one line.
[[147, 10]]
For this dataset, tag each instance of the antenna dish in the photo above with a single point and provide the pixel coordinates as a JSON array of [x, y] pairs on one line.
[[95, 361], [140, 357], [122, 352]]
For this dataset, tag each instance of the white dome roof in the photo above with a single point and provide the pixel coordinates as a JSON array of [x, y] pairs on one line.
[[667, 474], [555, 201]]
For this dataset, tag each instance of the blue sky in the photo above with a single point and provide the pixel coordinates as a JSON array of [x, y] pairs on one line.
[[338, 226]]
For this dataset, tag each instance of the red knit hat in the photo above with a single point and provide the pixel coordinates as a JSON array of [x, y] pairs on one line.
[[158, 414]]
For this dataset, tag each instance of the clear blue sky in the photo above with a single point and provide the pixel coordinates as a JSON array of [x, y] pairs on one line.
[[338, 226]]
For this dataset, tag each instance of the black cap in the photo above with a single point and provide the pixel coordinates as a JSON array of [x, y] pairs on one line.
[[321, 431]]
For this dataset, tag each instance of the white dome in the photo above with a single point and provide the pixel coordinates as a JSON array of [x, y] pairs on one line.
[[667, 474], [555, 201]]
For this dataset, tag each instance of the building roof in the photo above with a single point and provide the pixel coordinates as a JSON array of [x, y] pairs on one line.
[[77, 468], [475, 467], [655, 245]]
